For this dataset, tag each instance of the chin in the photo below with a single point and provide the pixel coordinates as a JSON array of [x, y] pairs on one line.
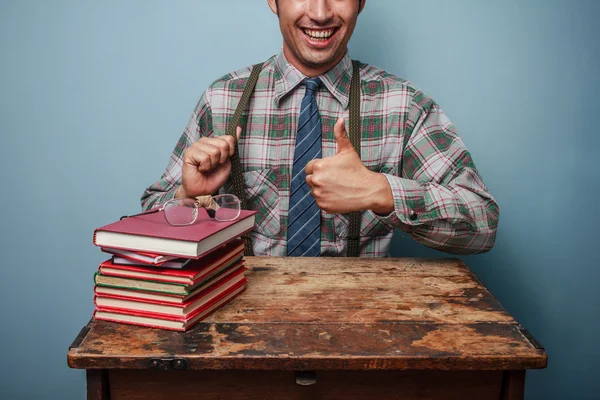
[[320, 60]]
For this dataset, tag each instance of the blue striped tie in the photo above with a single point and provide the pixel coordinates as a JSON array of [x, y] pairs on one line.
[[304, 217]]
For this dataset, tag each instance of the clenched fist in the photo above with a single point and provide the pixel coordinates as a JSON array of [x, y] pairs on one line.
[[206, 165]]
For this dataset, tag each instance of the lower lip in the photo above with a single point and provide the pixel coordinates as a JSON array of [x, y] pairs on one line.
[[319, 44]]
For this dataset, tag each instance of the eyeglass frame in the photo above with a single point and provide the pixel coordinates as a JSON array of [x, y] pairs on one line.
[[198, 203]]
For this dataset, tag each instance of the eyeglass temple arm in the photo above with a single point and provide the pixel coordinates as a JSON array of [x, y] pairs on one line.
[[142, 213]]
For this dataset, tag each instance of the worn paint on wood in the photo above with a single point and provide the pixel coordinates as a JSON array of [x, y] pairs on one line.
[[332, 314]]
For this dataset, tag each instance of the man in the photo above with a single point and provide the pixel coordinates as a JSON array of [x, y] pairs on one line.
[[428, 187]]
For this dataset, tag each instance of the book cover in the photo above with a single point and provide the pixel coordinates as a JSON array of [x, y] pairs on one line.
[[151, 233]]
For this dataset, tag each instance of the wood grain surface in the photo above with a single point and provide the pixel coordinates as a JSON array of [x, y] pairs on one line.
[[334, 314]]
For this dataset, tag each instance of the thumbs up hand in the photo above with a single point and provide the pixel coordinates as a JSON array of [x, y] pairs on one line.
[[342, 183], [342, 139]]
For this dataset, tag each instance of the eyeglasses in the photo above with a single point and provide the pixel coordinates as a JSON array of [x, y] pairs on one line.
[[182, 212]]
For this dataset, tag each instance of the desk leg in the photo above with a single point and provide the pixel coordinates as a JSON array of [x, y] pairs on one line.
[[97, 384], [513, 385]]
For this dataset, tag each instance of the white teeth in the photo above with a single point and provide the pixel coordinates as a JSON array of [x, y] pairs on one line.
[[319, 34]]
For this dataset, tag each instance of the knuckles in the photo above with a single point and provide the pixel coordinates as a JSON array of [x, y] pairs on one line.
[[316, 180], [318, 166], [212, 151], [325, 206], [190, 151], [226, 142], [204, 160], [195, 148]]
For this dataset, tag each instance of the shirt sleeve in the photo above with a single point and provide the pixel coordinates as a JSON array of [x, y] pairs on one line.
[[440, 199], [200, 124]]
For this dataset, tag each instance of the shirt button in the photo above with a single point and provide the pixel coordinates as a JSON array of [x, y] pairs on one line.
[[413, 217]]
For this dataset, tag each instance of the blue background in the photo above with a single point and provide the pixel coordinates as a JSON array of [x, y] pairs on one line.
[[94, 95]]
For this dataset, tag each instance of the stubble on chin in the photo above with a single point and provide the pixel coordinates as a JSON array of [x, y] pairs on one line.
[[319, 59]]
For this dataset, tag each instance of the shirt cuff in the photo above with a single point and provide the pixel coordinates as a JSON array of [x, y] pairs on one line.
[[409, 202]]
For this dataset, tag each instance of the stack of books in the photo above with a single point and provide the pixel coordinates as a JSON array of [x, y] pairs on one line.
[[169, 277]]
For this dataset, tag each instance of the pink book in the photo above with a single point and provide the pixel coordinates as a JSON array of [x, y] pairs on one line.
[[140, 256], [152, 233]]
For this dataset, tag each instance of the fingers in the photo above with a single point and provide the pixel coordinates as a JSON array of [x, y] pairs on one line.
[[310, 167], [309, 181], [238, 133], [341, 137], [198, 157], [208, 153]]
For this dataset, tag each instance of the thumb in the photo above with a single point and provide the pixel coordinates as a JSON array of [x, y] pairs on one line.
[[238, 132], [341, 137]]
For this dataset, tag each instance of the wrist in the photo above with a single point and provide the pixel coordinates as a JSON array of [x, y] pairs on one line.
[[381, 198], [180, 193]]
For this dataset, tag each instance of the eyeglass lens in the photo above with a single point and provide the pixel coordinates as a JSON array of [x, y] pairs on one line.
[[181, 212], [228, 207]]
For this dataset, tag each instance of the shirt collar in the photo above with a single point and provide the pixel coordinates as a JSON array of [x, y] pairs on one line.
[[336, 80]]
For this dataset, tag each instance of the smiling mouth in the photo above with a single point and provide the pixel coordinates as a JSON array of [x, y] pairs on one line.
[[321, 35]]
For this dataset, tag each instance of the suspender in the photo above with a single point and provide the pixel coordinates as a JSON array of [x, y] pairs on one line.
[[355, 134], [237, 178], [237, 174]]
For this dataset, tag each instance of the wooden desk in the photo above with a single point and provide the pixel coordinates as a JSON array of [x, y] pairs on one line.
[[325, 328]]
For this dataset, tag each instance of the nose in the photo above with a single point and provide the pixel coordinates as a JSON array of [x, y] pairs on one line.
[[320, 11]]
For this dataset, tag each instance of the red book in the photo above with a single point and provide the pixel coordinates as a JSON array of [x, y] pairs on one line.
[[167, 297], [171, 323], [195, 271], [176, 289], [152, 233], [167, 309]]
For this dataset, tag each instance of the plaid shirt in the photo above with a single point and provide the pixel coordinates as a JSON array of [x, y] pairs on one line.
[[440, 199]]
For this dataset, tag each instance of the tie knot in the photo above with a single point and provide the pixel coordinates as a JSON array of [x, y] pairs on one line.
[[312, 84]]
